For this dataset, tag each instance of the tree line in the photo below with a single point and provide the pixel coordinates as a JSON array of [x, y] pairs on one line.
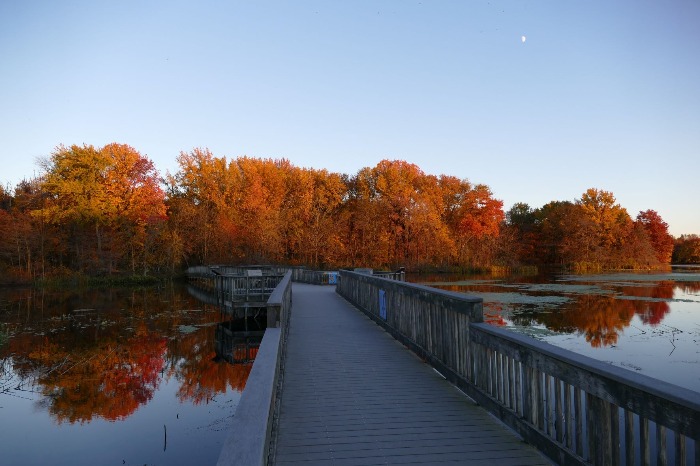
[[105, 211]]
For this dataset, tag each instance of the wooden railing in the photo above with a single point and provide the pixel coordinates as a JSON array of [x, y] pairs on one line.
[[575, 409], [234, 286], [249, 440], [205, 271], [399, 275], [279, 304], [247, 288], [315, 277]]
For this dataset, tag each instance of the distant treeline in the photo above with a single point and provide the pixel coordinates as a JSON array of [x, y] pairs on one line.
[[105, 211]]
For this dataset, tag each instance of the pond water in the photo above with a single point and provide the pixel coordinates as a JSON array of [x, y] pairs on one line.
[[644, 322], [113, 376]]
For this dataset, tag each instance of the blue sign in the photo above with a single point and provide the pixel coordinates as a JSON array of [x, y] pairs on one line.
[[382, 304], [332, 278]]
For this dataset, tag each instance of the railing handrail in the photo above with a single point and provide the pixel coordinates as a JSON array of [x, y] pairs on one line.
[[424, 291], [684, 397], [277, 296]]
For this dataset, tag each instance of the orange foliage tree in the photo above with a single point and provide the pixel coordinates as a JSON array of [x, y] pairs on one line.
[[657, 231], [686, 249], [104, 210], [110, 200], [594, 232]]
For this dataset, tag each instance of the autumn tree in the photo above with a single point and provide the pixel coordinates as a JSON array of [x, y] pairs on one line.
[[366, 238], [657, 231], [686, 250], [609, 222], [25, 239], [473, 217], [521, 226], [201, 195], [398, 196], [394, 217], [109, 199], [322, 241]]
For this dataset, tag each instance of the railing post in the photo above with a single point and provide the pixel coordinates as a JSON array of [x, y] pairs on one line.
[[599, 430], [274, 315]]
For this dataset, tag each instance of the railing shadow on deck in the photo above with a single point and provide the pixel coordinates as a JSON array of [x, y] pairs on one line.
[[574, 409]]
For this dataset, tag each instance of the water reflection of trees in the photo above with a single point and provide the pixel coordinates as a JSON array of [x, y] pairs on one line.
[[201, 377], [104, 354], [689, 287], [106, 382], [601, 318]]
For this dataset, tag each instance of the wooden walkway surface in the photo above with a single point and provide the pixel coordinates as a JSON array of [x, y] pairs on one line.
[[352, 395]]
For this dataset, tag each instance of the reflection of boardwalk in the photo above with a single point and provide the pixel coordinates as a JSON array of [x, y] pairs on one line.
[[353, 395]]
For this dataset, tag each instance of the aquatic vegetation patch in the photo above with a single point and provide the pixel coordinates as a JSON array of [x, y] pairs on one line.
[[186, 329], [460, 283], [519, 298], [633, 277], [537, 332], [656, 300], [559, 288]]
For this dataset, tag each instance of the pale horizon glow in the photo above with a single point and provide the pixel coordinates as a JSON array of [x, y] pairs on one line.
[[603, 94]]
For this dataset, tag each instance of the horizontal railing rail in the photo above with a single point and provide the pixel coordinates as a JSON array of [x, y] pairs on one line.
[[399, 275], [573, 408], [315, 277], [205, 271]]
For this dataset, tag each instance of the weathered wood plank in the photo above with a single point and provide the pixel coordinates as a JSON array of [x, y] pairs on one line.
[[578, 414], [645, 447], [559, 408], [661, 457], [615, 434], [680, 449], [629, 438]]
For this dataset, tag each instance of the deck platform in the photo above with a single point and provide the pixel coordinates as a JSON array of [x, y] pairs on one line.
[[352, 395]]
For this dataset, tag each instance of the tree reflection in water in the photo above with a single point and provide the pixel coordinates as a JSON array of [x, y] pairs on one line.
[[600, 315], [201, 374], [600, 318], [103, 354]]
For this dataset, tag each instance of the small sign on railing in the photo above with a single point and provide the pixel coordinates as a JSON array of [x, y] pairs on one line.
[[382, 304]]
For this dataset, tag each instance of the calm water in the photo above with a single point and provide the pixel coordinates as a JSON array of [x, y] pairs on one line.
[[113, 377], [645, 322]]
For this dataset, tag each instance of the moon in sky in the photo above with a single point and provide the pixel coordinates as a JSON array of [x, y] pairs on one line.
[[523, 39]]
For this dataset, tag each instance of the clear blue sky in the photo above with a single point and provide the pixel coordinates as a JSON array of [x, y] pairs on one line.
[[601, 94]]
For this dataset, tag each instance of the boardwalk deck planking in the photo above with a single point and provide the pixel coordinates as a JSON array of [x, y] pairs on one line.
[[353, 395]]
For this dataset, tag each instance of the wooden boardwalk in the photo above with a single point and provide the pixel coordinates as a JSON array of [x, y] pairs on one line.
[[352, 395]]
